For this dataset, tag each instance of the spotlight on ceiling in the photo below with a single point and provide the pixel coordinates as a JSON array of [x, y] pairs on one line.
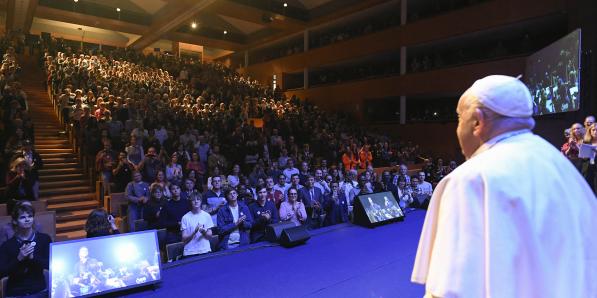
[[76, 1], [225, 32], [118, 9], [285, 4], [193, 25]]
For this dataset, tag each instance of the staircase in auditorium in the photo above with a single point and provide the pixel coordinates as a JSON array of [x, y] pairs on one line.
[[62, 180]]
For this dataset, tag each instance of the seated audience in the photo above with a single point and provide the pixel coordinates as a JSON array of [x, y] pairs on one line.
[[196, 226], [100, 223], [19, 185], [264, 213], [292, 209], [25, 256]]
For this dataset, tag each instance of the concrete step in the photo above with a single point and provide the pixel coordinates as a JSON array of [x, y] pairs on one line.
[[62, 177], [64, 183], [57, 155], [54, 150], [49, 161], [72, 206], [73, 215], [60, 165], [63, 171], [72, 235], [55, 145], [72, 225], [58, 199], [48, 192]]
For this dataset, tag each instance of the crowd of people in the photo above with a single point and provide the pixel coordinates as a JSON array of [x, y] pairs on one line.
[[190, 157], [580, 148]]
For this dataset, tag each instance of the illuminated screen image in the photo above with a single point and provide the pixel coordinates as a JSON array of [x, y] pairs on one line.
[[380, 207], [94, 266], [553, 76]]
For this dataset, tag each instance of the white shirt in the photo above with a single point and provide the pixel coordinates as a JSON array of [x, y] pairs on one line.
[[188, 223], [234, 235], [289, 172], [515, 220], [426, 187]]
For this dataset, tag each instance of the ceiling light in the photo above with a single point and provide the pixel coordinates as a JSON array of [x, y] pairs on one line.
[[76, 1], [193, 25], [225, 32], [285, 4], [118, 9]]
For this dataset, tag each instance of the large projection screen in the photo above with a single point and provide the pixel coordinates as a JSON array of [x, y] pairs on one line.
[[553, 76], [95, 266]]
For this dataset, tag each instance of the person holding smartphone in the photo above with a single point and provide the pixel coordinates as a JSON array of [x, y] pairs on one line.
[[100, 223], [25, 256]]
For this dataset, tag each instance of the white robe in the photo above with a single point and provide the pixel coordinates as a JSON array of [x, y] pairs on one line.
[[515, 220]]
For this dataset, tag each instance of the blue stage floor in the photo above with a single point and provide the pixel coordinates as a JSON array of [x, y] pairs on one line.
[[339, 261]]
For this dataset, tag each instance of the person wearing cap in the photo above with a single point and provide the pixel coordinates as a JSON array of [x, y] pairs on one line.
[[516, 219]]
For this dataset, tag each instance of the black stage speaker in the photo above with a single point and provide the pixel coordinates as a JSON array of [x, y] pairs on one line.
[[294, 236], [274, 231], [376, 209]]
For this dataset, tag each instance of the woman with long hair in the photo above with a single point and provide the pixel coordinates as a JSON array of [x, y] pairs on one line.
[[19, 185], [589, 169], [174, 170], [153, 208], [572, 147], [100, 223]]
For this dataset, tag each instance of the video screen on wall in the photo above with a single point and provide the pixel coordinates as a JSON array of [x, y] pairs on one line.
[[94, 266], [553, 76], [381, 207]]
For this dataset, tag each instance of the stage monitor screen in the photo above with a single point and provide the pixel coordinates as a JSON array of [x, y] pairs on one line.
[[553, 76], [95, 266], [378, 208]]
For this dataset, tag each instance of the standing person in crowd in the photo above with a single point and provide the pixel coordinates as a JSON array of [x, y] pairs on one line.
[[589, 170], [589, 121], [34, 164], [104, 164], [196, 228], [216, 160], [572, 147], [335, 206], [489, 233], [172, 214], [134, 153], [150, 165], [25, 256], [187, 190], [100, 223], [152, 212], [137, 194], [234, 222], [234, 177], [349, 160], [290, 170], [264, 213], [365, 157], [292, 209], [196, 165], [121, 175], [215, 198], [174, 170], [19, 185], [160, 179], [424, 185], [312, 198]]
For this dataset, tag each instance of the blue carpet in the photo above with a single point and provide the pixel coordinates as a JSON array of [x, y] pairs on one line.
[[339, 261]]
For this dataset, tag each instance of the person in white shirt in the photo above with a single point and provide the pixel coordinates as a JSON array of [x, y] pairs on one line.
[[196, 228], [425, 186], [290, 170], [516, 219]]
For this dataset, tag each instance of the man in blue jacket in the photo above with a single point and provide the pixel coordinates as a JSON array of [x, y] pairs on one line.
[[312, 197], [234, 222], [264, 213]]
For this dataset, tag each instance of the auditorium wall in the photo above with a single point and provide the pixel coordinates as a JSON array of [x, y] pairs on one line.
[[478, 18]]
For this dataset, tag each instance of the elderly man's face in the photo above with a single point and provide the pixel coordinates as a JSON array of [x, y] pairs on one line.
[[466, 127]]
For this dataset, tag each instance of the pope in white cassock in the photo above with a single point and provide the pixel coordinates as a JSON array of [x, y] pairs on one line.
[[516, 219]]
